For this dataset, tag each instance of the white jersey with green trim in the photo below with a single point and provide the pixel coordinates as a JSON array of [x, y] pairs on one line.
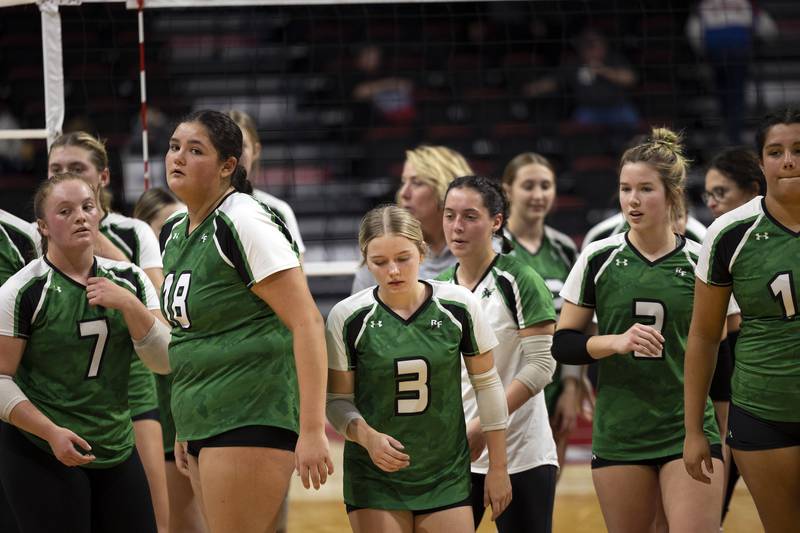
[[134, 238], [513, 297], [285, 212]]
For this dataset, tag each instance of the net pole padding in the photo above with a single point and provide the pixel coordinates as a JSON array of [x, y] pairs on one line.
[[52, 64], [143, 98], [330, 268], [6, 135]]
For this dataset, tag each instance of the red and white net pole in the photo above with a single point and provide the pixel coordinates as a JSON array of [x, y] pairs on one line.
[[143, 92]]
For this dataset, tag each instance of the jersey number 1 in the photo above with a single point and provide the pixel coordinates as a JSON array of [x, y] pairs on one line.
[[99, 330], [412, 392], [782, 288]]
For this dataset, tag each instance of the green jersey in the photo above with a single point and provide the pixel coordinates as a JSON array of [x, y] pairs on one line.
[[748, 249], [552, 261], [136, 240], [408, 385], [77, 357], [19, 242], [231, 356], [513, 297], [639, 410]]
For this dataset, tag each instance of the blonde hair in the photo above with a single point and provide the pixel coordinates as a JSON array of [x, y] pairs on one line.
[[437, 166], [522, 160], [663, 151], [43, 193], [389, 220], [151, 202], [97, 155]]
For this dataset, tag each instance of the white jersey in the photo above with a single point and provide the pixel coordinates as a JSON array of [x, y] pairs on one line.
[[134, 238], [513, 297], [285, 212]]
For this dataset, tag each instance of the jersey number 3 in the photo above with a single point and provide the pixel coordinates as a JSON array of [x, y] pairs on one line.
[[412, 391], [175, 300]]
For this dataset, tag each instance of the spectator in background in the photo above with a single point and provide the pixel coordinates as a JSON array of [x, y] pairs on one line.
[[723, 31], [427, 172], [391, 96], [598, 80]]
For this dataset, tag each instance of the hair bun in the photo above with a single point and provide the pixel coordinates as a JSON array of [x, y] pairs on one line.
[[668, 139]]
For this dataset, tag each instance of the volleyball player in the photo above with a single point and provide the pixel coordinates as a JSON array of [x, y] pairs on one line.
[[67, 321], [240, 308], [752, 252], [83, 154], [395, 354], [427, 171], [529, 181], [639, 284], [154, 207], [519, 307]]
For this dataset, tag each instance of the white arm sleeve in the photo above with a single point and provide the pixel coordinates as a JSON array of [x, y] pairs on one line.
[[491, 399], [341, 410], [539, 363], [10, 396], [152, 348]]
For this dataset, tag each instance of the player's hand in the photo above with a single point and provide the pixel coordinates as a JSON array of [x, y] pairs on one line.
[[475, 438], [312, 458], [497, 490], [66, 444], [696, 453], [385, 452], [568, 406], [105, 293], [646, 340], [182, 458], [587, 399]]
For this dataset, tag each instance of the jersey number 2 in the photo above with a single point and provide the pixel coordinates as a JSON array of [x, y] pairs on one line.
[[782, 288], [99, 330], [412, 392], [650, 313]]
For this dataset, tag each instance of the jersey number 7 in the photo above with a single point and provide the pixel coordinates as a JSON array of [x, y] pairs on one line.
[[98, 329]]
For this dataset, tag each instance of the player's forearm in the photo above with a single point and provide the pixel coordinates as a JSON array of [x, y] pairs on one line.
[[312, 372], [516, 395], [600, 346], [137, 317], [496, 443], [699, 363], [28, 417]]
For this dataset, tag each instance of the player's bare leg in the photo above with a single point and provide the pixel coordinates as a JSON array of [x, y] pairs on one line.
[[185, 515], [455, 520], [773, 477], [628, 496], [369, 520], [243, 487], [691, 507], [150, 446]]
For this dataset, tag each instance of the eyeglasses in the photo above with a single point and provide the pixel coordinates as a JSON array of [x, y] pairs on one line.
[[717, 193]]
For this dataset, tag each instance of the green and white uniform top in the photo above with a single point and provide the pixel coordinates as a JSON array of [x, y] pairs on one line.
[[134, 238], [408, 385], [77, 357], [231, 356], [19, 244], [748, 249], [639, 410], [286, 214], [552, 261], [513, 297], [695, 230]]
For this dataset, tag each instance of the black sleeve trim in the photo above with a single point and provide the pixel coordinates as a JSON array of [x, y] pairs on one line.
[[569, 347], [588, 298], [508, 295], [723, 252], [227, 242], [465, 346], [166, 231], [351, 330], [30, 298], [26, 247]]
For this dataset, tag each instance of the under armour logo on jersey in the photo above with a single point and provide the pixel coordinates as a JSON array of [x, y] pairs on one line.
[[204, 237], [762, 236], [436, 324], [58, 289], [375, 324], [621, 262], [174, 236], [487, 292], [680, 272]]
